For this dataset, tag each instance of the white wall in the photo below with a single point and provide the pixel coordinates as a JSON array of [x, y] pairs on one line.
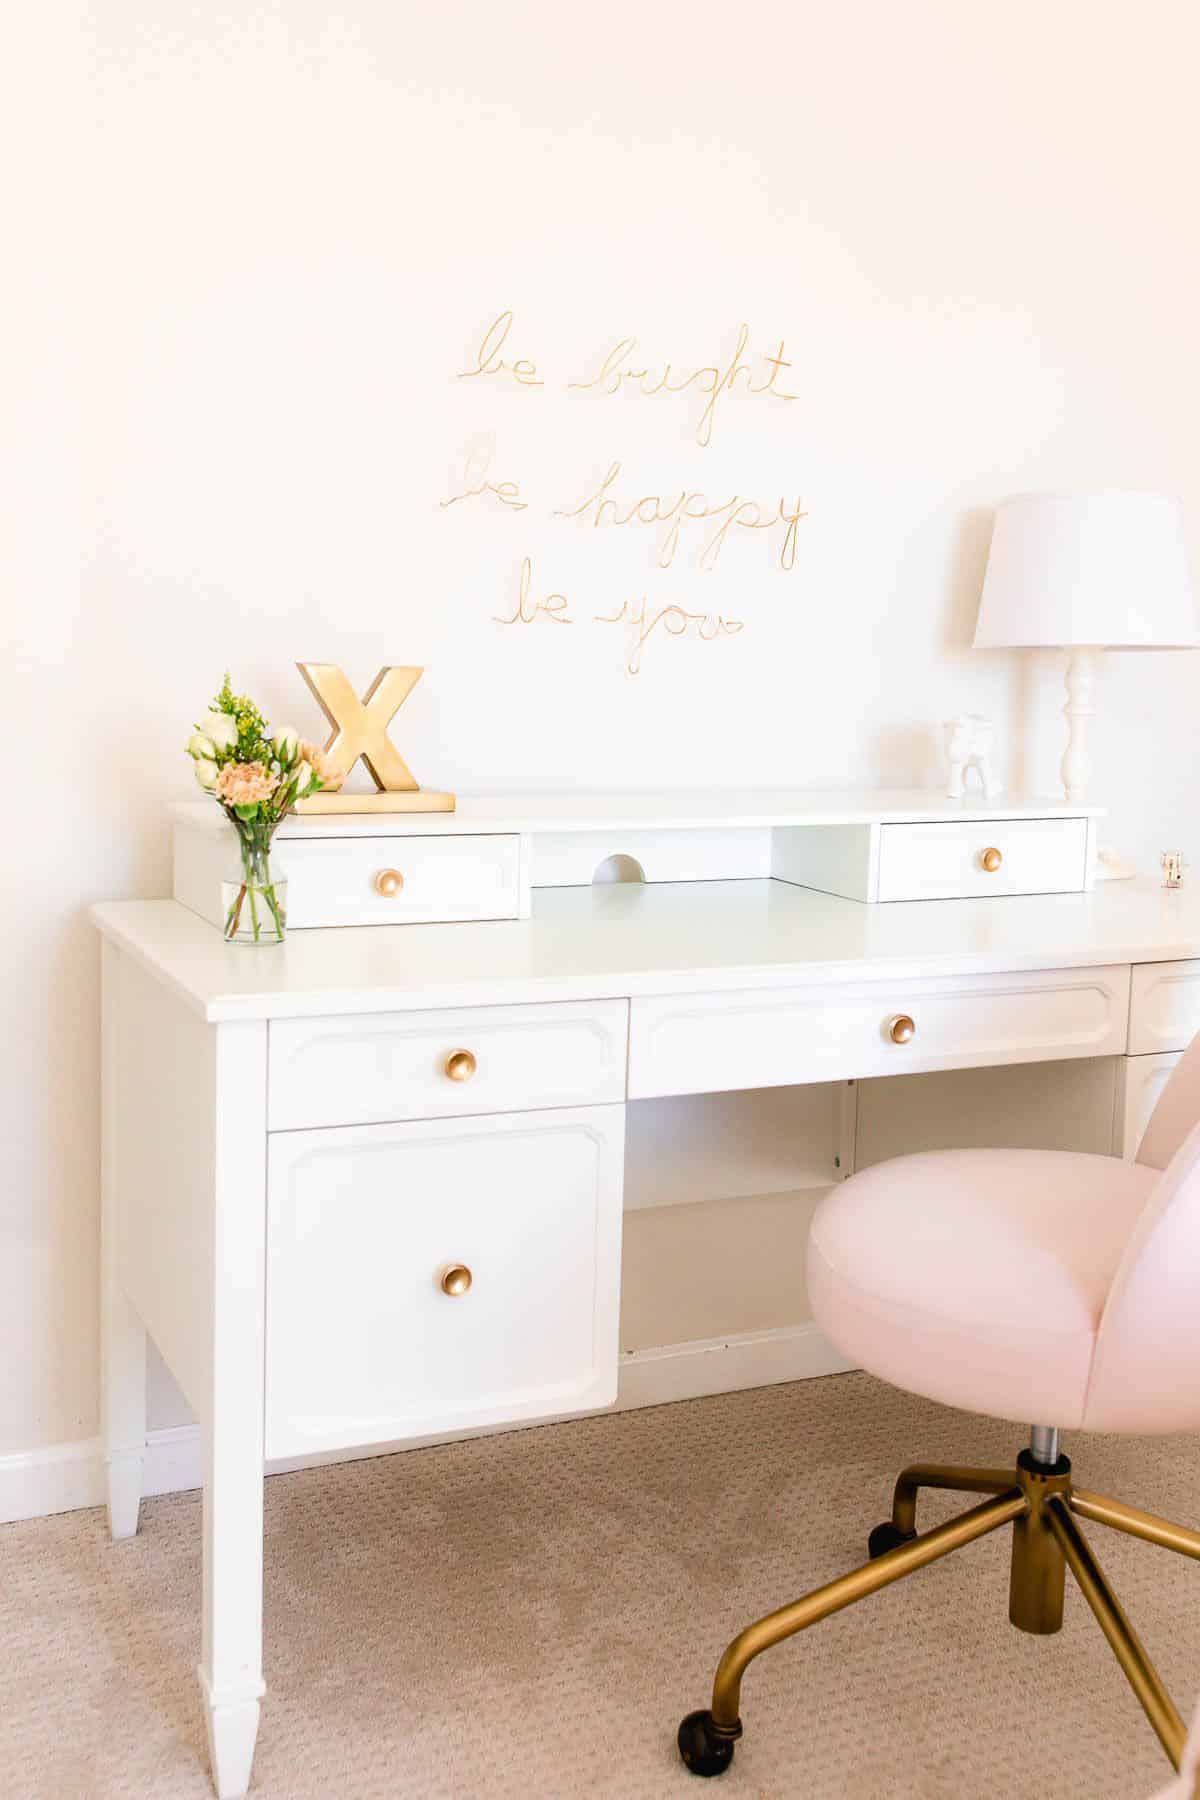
[[973, 228]]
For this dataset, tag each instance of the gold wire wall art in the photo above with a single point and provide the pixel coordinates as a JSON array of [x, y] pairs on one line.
[[757, 376], [737, 514], [672, 621], [489, 359], [529, 609], [615, 376], [475, 484], [687, 515], [642, 621]]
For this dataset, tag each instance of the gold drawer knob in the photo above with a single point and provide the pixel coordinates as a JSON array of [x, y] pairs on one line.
[[456, 1280], [990, 860], [901, 1029], [461, 1065], [388, 882]]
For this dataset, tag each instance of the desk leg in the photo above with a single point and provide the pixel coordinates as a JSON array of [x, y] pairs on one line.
[[122, 1336], [230, 1672], [124, 1359]]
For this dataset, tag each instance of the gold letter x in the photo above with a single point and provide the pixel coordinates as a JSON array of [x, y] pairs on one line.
[[360, 726]]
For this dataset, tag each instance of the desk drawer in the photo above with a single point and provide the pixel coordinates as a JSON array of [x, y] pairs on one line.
[[709, 1043], [1164, 1012], [364, 1346], [395, 1066], [400, 881], [962, 860]]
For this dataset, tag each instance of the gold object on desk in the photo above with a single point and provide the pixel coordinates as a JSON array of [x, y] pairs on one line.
[[420, 801], [388, 883], [360, 730], [456, 1280], [461, 1065], [991, 860], [902, 1029]]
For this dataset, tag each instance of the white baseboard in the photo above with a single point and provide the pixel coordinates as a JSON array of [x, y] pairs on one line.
[[174, 1461], [36, 1483], [726, 1365]]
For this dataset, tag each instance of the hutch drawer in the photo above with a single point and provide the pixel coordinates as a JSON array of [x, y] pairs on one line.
[[1164, 1011], [953, 860], [351, 879], [706, 1043], [429, 1065], [400, 881], [426, 1278]]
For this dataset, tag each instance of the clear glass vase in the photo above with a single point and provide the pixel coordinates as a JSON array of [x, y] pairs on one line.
[[253, 902]]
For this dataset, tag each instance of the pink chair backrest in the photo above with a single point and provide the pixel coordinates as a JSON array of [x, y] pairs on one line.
[[1146, 1369], [1177, 1111]]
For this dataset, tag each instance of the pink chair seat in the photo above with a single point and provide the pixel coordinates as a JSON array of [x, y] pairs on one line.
[[978, 1277]]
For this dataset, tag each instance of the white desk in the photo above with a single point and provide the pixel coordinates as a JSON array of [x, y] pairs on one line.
[[276, 1119]]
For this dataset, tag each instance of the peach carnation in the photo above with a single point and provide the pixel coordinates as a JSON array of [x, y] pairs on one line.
[[245, 784], [320, 765]]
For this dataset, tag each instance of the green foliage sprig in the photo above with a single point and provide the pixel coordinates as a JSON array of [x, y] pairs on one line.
[[256, 772]]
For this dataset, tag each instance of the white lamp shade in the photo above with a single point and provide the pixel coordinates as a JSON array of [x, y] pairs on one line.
[[1105, 569]]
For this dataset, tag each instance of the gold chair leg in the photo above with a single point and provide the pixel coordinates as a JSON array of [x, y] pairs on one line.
[[706, 1739], [1123, 1640], [941, 1475], [1038, 1578], [1138, 1524]]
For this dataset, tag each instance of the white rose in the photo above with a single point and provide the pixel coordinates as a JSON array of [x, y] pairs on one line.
[[206, 773], [221, 729], [302, 776], [199, 745], [286, 741]]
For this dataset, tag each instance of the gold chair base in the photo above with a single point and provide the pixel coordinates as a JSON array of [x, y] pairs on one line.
[[1042, 1505]]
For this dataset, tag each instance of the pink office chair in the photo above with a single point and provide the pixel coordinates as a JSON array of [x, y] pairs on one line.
[[1028, 1284]]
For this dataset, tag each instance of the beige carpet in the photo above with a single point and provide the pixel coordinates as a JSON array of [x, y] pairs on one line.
[[530, 1615]]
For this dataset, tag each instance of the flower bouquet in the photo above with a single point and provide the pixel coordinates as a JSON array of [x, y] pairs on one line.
[[254, 773]]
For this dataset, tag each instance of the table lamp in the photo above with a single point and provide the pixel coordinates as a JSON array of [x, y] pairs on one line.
[[1086, 572]]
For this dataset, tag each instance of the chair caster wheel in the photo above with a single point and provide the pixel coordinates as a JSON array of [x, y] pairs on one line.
[[885, 1537], [703, 1752]]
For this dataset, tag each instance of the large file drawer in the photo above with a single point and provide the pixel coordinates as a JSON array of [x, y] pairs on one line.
[[428, 1065], [430, 1277], [707, 1043]]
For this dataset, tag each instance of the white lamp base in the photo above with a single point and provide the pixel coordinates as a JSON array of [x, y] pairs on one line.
[[1076, 762]]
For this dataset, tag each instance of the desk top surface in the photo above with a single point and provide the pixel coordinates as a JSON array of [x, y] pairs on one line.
[[745, 809], [619, 940]]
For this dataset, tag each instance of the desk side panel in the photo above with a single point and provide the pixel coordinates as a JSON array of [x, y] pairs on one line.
[[835, 859], [162, 1071]]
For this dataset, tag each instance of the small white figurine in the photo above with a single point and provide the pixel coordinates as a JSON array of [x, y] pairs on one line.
[[969, 746]]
